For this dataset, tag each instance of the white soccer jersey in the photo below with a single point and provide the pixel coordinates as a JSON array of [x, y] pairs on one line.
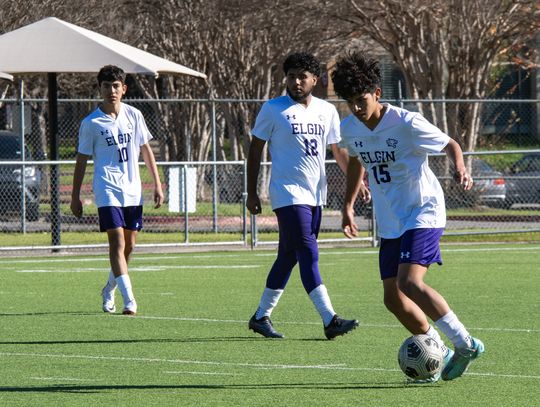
[[406, 194], [297, 140], [115, 147]]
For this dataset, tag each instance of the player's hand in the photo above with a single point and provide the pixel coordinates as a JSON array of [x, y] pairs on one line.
[[364, 194], [463, 178], [158, 197], [348, 225], [253, 203], [76, 207]]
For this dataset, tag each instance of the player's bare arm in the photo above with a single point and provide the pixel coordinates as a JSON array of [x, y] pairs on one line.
[[461, 175], [253, 203], [341, 156], [150, 161], [78, 176]]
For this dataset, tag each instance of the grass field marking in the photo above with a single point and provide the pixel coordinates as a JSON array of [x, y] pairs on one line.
[[509, 376], [366, 325], [324, 251], [237, 321], [492, 249], [63, 260], [338, 367], [85, 270], [143, 269], [525, 330], [173, 361]]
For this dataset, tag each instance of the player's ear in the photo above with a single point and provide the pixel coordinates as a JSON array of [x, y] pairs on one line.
[[378, 93]]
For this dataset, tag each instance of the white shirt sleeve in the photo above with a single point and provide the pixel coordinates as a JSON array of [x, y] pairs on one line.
[[426, 136], [264, 124], [86, 144]]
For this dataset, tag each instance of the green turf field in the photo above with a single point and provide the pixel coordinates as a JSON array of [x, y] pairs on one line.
[[189, 344]]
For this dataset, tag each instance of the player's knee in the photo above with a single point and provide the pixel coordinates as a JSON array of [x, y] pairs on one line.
[[128, 249], [407, 286], [392, 303]]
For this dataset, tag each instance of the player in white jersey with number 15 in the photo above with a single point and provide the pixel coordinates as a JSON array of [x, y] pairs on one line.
[[393, 145], [114, 135], [297, 127]]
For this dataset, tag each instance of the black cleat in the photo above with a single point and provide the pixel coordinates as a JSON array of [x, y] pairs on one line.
[[264, 327], [339, 326]]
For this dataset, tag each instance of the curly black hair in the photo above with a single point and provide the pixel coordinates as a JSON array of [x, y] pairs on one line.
[[304, 61], [111, 73], [356, 74]]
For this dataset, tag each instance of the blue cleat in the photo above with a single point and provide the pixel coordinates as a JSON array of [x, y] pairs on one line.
[[448, 354], [462, 358]]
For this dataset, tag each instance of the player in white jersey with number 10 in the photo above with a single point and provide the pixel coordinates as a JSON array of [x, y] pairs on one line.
[[297, 127], [393, 145], [114, 135]]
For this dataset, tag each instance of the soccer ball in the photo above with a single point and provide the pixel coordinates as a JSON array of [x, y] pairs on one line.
[[420, 357]]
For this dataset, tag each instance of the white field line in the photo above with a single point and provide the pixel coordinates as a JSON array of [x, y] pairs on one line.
[[339, 367], [365, 325], [142, 257], [243, 322], [142, 269], [172, 361]]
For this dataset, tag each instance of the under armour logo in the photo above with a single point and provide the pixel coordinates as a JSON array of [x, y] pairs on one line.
[[104, 132], [358, 144], [405, 255], [293, 116]]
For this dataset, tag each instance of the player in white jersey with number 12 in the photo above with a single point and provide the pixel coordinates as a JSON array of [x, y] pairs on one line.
[[393, 145], [298, 127], [114, 135]]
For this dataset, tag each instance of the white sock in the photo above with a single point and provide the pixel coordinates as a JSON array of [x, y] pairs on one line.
[[111, 282], [452, 327], [321, 300], [269, 300], [124, 285]]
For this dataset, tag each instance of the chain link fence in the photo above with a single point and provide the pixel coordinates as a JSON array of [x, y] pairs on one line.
[[205, 199]]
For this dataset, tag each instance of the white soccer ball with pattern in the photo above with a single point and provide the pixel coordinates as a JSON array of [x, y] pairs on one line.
[[420, 357]]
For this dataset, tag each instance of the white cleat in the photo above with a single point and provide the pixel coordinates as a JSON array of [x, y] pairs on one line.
[[108, 300], [130, 308]]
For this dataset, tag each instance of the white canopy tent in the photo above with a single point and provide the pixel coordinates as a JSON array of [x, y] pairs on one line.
[[6, 76], [51, 46]]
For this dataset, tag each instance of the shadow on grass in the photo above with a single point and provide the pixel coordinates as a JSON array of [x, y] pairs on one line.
[[266, 386]]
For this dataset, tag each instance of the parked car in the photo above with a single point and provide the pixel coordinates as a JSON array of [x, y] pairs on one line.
[[521, 189], [489, 184], [489, 187], [11, 180]]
